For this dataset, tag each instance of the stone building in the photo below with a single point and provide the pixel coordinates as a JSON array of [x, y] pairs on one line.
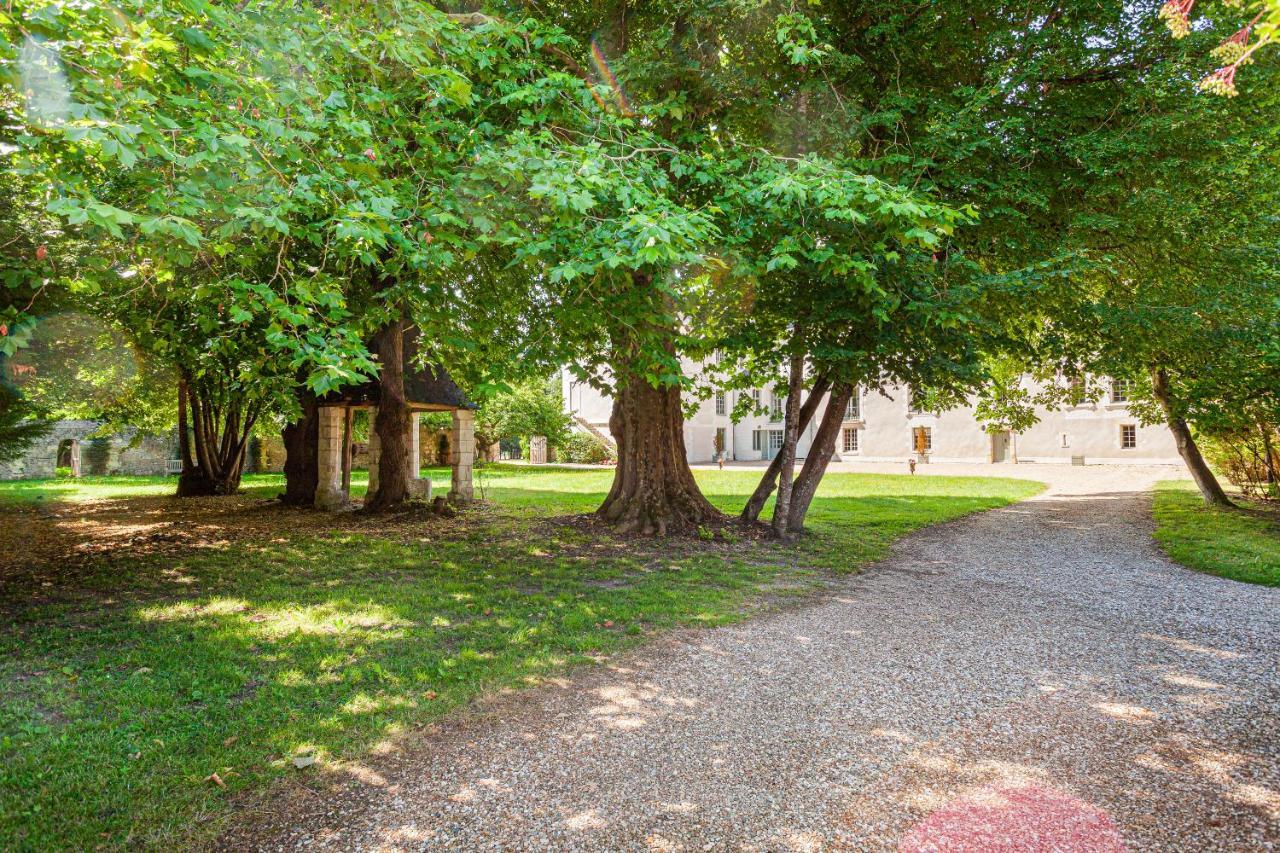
[[882, 424], [75, 445]]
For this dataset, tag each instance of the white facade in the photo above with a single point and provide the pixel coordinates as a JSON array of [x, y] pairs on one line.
[[882, 428]]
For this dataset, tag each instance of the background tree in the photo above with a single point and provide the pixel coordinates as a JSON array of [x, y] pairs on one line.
[[80, 367], [19, 421], [532, 407]]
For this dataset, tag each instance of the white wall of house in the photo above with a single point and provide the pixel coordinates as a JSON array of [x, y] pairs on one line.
[[1100, 432], [883, 428]]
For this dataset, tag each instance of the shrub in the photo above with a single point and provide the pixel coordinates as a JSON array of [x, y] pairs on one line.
[[1249, 459], [584, 449]]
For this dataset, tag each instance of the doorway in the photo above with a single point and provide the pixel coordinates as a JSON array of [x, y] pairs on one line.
[[775, 444], [1002, 446], [67, 462]]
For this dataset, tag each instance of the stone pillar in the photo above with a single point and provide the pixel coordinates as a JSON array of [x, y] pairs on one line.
[[464, 454], [375, 450], [419, 486], [329, 493], [415, 445]]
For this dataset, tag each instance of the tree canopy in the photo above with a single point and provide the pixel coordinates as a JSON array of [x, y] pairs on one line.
[[258, 196]]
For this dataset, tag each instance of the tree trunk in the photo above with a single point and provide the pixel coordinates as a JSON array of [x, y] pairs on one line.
[[301, 445], [751, 512], [815, 464], [392, 422], [1210, 489], [1268, 450], [653, 489], [192, 482], [786, 471], [219, 437]]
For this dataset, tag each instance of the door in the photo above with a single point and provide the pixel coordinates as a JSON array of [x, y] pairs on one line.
[[775, 443], [1001, 446]]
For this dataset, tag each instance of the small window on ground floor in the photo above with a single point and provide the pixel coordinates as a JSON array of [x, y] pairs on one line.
[[1066, 440], [755, 439], [922, 439], [850, 444], [1128, 436]]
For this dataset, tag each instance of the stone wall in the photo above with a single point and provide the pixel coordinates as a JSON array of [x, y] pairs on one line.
[[127, 452], [266, 455]]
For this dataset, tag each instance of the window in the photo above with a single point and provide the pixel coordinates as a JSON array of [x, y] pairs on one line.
[[755, 400], [1077, 390], [853, 411], [1128, 436], [755, 439], [1066, 440], [1119, 390], [721, 405], [922, 439], [721, 441], [779, 403], [850, 440], [913, 402]]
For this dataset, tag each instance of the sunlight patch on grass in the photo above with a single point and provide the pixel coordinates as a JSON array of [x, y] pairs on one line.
[[325, 644]]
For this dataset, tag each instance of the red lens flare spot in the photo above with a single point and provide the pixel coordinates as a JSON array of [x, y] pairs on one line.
[[1012, 819]]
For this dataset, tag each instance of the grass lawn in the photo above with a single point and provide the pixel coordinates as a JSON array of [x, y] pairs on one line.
[[188, 648], [1241, 544]]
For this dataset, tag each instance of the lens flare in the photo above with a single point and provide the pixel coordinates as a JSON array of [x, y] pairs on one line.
[[606, 74], [44, 84]]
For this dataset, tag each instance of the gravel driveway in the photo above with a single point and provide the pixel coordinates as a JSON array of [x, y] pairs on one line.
[[1037, 677]]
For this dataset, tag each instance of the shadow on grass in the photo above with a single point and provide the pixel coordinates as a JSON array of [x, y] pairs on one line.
[[124, 699]]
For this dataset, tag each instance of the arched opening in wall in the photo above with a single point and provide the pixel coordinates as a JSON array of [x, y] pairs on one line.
[[67, 463]]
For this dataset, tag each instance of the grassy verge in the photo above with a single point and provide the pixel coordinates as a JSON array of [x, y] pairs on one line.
[[127, 690], [1241, 544]]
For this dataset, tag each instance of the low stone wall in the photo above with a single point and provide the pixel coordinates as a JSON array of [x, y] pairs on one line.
[[127, 452]]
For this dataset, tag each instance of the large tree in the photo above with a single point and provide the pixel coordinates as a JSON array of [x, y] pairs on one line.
[[621, 247], [840, 276], [161, 150]]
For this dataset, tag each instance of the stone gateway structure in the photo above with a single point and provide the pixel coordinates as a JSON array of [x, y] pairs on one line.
[[427, 391]]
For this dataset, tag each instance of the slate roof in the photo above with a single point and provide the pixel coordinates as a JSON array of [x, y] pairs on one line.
[[426, 388]]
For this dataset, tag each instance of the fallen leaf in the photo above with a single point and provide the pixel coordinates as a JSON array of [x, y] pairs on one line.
[[301, 761], [231, 740], [215, 779], [429, 695]]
